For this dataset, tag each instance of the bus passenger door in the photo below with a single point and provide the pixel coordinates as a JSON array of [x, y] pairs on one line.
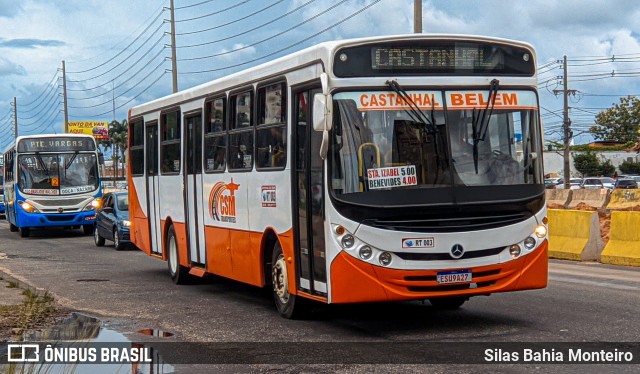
[[193, 188], [308, 198], [153, 187]]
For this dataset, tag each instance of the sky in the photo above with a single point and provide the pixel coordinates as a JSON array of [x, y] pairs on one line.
[[116, 53]]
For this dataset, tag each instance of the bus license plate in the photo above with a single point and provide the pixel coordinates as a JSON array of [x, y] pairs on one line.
[[463, 276]]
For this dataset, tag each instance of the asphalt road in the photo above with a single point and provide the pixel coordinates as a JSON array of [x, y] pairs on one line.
[[128, 291]]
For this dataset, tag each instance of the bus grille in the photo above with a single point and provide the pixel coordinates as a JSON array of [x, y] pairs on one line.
[[59, 202], [446, 256], [444, 224], [428, 283]]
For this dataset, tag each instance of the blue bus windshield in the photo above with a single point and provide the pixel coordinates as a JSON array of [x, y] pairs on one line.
[[57, 174]]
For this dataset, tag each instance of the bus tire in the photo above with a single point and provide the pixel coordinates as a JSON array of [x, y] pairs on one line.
[[97, 239], [289, 306], [13, 228], [24, 232], [178, 273], [448, 303], [87, 229]]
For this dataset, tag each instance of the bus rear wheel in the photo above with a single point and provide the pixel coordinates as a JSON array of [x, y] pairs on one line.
[[289, 306], [24, 232], [448, 303], [178, 273]]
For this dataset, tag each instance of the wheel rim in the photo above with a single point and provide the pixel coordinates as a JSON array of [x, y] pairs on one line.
[[116, 239], [280, 285], [96, 236], [173, 254]]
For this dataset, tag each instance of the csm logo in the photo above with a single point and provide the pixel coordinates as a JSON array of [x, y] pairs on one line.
[[23, 353]]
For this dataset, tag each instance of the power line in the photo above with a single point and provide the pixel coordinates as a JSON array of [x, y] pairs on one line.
[[125, 48], [294, 44], [214, 13], [192, 5], [269, 38], [235, 20]]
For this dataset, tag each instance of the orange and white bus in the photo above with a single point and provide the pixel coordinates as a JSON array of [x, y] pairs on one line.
[[377, 169]]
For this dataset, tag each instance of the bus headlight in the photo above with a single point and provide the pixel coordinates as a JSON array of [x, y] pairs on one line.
[[348, 241], [93, 205], [365, 252], [126, 223], [530, 242], [385, 258], [514, 250], [541, 231], [28, 207]]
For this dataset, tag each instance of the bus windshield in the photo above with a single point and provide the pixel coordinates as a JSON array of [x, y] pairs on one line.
[[58, 174], [380, 143]]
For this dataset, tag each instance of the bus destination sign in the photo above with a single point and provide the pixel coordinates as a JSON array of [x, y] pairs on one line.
[[61, 144], [434, 58]]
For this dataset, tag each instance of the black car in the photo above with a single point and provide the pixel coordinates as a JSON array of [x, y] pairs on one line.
[[625, 184], [112, 220]]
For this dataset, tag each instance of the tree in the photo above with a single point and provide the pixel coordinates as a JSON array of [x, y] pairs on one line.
[[117, 141], [588, 165], [619, 123], [627, 167]]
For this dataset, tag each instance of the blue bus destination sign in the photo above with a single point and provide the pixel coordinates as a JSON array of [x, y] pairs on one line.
[[62, 144]]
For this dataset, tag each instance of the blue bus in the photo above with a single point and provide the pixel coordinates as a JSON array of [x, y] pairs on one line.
[[51, 181]]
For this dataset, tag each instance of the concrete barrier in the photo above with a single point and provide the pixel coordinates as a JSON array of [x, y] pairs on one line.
[[594, 198], [623, 247], [574, 235], [624, 199], [558, 198]]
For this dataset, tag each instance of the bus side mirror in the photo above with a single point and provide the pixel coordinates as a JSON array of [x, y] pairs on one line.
[[322, 117], [322, 105]]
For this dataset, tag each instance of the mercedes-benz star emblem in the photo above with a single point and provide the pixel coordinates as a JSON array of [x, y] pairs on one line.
[[457, 251], [60, 210]]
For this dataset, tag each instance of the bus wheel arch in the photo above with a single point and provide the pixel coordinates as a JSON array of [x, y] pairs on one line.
[[289, 305]]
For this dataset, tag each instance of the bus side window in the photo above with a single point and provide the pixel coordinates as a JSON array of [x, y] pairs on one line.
[[271, 136], [216, 136], [241, 132]]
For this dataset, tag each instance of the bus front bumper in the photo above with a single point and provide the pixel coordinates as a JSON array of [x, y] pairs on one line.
[[52, 220], [357, 281]]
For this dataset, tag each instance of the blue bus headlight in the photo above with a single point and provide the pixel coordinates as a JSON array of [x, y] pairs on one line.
[[93, 204], [126, 223], [28, 207]]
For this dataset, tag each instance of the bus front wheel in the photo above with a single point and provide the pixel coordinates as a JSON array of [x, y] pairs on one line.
[[87, 229], [13, 228], [24, 232], [179, 274], [448, 303], [289, 306]]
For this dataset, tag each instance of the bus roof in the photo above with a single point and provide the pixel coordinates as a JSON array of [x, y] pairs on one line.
[[321, 53]]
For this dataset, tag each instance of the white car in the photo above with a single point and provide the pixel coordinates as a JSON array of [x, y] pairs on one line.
[[608, 182], [574, 184]]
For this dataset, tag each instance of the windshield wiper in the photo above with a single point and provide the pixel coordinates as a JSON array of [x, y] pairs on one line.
[[71, 161], [480, 120], [416, 114], [44, 167]]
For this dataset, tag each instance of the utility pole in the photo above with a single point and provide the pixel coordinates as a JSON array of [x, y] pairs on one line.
[[566, 125], [15, 118], [417, 16], [174, 65], [64, 99]]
